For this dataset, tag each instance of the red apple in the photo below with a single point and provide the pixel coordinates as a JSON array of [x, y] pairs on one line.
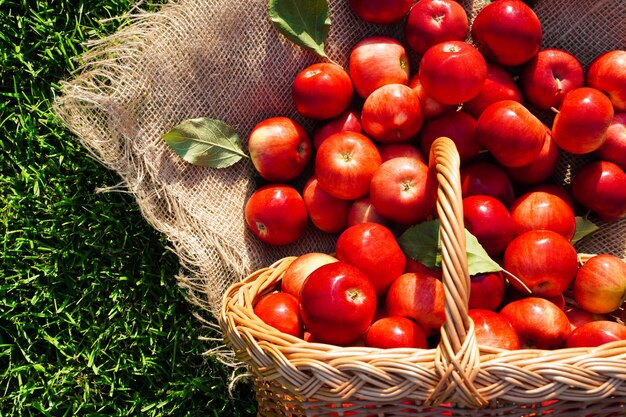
[[493, 330], [418, 267], [537, 210], [337, 303], [381, 12], [607, 73], [395, 332], [512, 134], [327, 213], [419, 297], [392, 113], [578, 316], [279, 148], [558, 191], [507, 32], [276, 214], [596, 333], [489, 221], [614, 147], [538, 322], [363, 211], [345, 164], [452, 72], [543, 260], [300, 269], [281, 311], [431, 108], [396, 150], [549, 75], [373, 249], [486, 178], [541, 168], [582, 121], [378, 60], [433, 21], [458, 126], [487, 290], [513, 294], [349, 120], [600, 186], [404, 190], [600, 285], [498, 86], [322, 91]]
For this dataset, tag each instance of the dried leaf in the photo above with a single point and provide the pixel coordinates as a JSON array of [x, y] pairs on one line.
[[206, 142], [304, 22]]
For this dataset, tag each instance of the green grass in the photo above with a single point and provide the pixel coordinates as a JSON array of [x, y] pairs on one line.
[[91, 319]]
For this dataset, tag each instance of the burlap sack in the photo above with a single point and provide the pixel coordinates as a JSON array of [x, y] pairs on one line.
[[224, 59]]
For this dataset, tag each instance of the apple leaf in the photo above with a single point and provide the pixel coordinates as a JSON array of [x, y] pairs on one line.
[[304, 22], [422, 243], [584, 227], [206, 142], [478, 260]]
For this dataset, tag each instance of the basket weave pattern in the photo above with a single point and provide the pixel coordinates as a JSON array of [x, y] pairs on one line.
[[309, 378]]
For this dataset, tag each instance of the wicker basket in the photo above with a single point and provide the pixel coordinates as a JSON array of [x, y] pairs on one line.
[[296, 378]]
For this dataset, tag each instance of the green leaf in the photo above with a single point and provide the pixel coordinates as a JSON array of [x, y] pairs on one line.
[[584, 227], [304, 22], [478, 260], [206, 142], [422, 243]]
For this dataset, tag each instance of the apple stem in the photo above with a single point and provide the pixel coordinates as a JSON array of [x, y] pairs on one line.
[[519, 281], [554, 109], [559, 84]]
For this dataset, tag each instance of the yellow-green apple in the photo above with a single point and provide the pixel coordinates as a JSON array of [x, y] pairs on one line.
[[378, 60], [607, 72], [548, 76], [600, 284], [299, 270]]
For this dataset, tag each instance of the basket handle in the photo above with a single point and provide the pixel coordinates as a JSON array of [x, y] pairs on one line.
[[458, 358]]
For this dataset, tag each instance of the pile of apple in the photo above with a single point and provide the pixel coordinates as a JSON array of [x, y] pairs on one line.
[[367, 179]]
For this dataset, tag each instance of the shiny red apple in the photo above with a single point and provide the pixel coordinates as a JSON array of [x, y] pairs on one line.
[[327, 212], [600, 186], [614, 147], [493, 330], [498, 86], [536, 210], [395, 332], [433, 21], [600, 284], [458, 126], [607, 73], [490, 222], [300, 269], [322, 91], [596, 333]]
